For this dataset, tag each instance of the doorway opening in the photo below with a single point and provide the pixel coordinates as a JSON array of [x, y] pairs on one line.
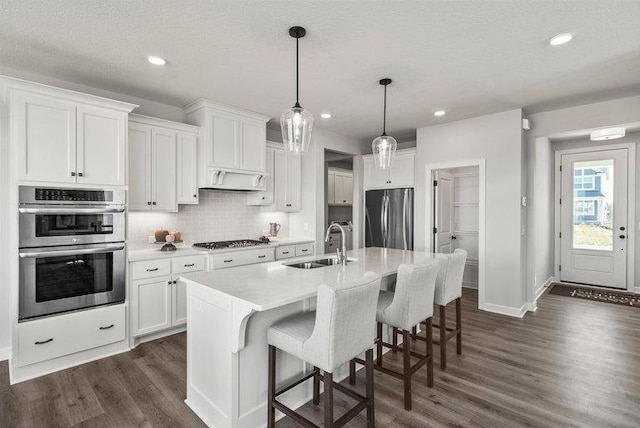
[[339, 197], [455, 201]]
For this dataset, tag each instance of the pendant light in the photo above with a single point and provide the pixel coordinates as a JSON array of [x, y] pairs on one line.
[[384, 147], [296, 122]]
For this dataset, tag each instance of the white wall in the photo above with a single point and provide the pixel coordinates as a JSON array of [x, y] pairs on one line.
[[498, 139], [540, 153]]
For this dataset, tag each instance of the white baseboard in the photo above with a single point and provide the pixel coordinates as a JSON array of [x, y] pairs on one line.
[[533, 306], [5, 354], [506, 310], [637, 290]]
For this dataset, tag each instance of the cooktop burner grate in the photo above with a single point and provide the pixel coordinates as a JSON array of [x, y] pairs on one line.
[[239, 243]]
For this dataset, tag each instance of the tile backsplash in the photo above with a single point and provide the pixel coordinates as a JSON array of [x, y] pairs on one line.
[[219, 216]]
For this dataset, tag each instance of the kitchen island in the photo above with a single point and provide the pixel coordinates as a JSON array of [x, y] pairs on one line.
[[228, 314]]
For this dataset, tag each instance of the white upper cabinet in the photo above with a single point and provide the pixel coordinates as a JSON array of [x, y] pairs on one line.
[[231, 146], [340, 187], [67, 137], [187, 176], [401, 173], [287, 182], [162, 163]]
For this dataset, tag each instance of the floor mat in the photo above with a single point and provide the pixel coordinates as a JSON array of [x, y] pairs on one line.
[[626, 299]]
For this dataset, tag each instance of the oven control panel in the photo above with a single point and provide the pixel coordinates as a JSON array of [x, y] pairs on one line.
[[73, 195]]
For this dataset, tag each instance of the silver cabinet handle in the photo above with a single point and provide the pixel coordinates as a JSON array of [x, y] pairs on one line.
[[107, 327], [44, 341], [107, 248]]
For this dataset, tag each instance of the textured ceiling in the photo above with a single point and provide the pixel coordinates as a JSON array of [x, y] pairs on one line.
[[467, 57]]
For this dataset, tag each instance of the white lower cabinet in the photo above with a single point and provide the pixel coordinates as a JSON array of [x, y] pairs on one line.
[[158, 299], [297, 250], [242, 257], [52, 337]]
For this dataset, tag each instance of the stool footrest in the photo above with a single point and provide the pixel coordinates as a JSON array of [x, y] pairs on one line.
[[293, 415], [294, 384]]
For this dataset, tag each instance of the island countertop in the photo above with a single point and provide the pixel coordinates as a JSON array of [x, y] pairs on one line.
[[265, 286]]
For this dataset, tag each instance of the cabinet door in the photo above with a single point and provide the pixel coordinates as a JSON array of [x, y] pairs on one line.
[[225, 144], [44, 129], [347, 189], [179, 308], [101, 146], [253, 137], [402, 171], [280, 180], [331, 189], [151, 303], [294, 176], [163, 170], [375, 178], [187, 185], [139, 167]]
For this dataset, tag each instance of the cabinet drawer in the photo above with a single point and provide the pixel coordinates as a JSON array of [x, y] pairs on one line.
[[285, 252], [304, 249], [150, 269], [54, 337], [187, 264], [238, 258]]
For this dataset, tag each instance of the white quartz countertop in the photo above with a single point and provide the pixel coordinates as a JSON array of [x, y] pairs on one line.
[[186, 249], [265, 286]]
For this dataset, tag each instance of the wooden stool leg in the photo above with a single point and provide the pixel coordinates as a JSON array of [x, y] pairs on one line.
[[414, 333], [379, 345], [459, 325], [371, 418], [352, 372], [406, 359], [443, 337], [316, 386], [395, 340], [271, 413], [429, 325], [328, 399]]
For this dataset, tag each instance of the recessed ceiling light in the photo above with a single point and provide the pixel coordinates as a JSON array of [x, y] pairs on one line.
[[156, 60], [439, 113], [560, 39], [326, 115]]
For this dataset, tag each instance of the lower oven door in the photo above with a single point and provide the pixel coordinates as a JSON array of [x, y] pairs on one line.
[[66, 278]]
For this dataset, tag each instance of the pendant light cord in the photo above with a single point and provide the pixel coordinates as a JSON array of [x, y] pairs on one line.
[[297, 75], [384, 114]]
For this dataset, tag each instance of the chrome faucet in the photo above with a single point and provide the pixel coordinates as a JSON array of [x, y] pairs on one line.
[[342, 255]]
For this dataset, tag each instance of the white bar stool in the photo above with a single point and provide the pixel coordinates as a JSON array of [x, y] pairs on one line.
[[341, 327], [403, 309], [448, 289]]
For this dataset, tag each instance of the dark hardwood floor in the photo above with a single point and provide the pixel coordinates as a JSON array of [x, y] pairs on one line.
[[572, 363]]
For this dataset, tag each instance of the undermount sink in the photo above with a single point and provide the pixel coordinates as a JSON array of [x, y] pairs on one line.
[[314, 264]]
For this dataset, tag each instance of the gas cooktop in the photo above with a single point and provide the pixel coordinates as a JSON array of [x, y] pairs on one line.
[[239, 243]]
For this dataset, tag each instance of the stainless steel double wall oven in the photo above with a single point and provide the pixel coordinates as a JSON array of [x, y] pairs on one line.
[[72, 249]]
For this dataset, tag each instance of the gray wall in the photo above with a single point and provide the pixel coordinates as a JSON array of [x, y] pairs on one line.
[[498, 139]]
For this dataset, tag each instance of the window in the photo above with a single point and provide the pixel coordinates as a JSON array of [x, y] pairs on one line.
[[582, 181], [584, 208]]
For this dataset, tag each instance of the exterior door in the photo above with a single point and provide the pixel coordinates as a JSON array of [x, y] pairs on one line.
[[593, 218], [443, 230]]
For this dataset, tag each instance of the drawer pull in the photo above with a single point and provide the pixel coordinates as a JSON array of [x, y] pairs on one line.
[[190, 265], [44, 341], [107, 327], [262, 256], [305, 250], [152, 270], [285, 252], [228, 261]]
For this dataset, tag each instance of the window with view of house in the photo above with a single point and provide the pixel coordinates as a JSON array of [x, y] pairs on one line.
[[590, 205]]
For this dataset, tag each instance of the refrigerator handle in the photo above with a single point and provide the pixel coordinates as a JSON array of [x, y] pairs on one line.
[[382, 221], [386, 219], [404, 218]]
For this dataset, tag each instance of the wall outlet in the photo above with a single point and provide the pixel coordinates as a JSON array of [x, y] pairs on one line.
[[151, 239]]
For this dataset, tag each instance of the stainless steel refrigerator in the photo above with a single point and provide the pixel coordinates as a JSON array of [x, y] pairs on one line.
[[389, 219]]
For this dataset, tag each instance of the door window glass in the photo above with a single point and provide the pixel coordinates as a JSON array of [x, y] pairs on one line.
[[593, 205]]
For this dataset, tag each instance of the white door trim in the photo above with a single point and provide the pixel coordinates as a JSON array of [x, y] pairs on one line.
[[428, 211], [631, 205]]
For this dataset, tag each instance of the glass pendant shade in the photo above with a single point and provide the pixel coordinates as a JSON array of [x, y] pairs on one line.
[[296, 124], [384, 149]]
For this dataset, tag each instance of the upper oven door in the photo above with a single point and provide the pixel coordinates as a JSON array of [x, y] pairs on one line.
[[68, 225]]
